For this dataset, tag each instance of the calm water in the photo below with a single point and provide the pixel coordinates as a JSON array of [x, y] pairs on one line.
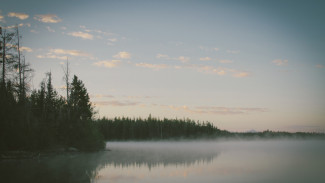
[[153, 162]]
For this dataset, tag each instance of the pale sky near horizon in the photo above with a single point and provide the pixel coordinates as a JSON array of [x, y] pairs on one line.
[[241, 65]]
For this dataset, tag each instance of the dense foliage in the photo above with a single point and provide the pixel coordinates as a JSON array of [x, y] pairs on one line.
[[46, 120], [154, 128], [41, 119]]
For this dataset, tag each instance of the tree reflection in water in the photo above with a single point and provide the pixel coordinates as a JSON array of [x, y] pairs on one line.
[[84, 167]]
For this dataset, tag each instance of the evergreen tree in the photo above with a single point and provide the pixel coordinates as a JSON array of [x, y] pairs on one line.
[[79, 99]]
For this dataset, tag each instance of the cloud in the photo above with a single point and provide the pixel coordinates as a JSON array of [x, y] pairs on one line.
[[112, 39], [116, 103], [152, 66], [62, 54], [183, 59], [64, 28], [218, 110], [48, 18], [107, 63], [101, 96], [2, 18], [320, 66], [140, 97], [280, 62], [162, 56], [205, 58], [204, 48], [99, 34], [70, 52], [123, 55], [21, 16], [83, 35], [49, 29], [241, 74], [25, 48], [34, 31], [19, 25], [52, 56], [221, 71], [210, 69], [225, 61], [233, 51]]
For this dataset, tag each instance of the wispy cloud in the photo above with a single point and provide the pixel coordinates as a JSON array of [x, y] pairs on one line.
[[152, 66], [123, 55], [233, 51], [21, 16], [19, 25], [183, 59], [62, 54], [70, 52], [83, 35], [97, 31], [51, 56], [34, 31], [25, 48], [210, 69], [112, 39], [225, 61], [204, 48], [162, 56], [280, 62], [49, 29], [101, 96], [241, 74], [205, 58], [48, 18], [116, 103], [221, 71], [107, 63], [217, 110], [2, 18], [320, 66]]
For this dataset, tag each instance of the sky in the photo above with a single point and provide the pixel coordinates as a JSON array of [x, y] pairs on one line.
[[242, 65]]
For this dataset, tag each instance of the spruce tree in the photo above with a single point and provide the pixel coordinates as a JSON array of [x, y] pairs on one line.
[[79, 100]]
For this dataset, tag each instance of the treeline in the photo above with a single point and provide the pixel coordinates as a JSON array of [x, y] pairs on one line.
[[153, 128], [268, 134], [124, 128], [41, 119]]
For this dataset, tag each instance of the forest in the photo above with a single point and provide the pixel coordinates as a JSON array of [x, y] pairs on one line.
[[41, 119]]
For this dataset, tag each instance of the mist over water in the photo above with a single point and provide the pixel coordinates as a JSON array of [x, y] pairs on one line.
[[190, 161]]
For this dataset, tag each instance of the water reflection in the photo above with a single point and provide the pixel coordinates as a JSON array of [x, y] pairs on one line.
[[84, 167], [270, 161], [150, 154]]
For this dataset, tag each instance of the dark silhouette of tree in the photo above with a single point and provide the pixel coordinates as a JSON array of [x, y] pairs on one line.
[[79, 99]]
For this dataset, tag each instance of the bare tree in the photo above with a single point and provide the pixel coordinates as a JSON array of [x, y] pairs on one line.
[[66, 78], [7, 39], [20, 86]]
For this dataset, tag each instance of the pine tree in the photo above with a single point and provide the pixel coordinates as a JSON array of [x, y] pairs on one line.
[[79, 100]]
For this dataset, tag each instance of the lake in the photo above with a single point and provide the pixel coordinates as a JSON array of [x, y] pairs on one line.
[[185, 161]]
